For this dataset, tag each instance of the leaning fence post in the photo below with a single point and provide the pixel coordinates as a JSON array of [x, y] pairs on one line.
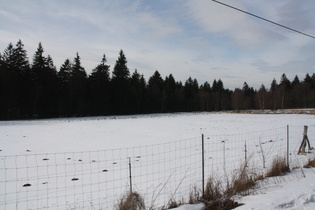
[[130, 176], [288, 147], [203, 165], [305, 142]]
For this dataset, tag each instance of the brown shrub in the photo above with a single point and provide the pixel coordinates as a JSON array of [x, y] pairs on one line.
[[131, 201], [279, 167], [241, 183], [213, 190]]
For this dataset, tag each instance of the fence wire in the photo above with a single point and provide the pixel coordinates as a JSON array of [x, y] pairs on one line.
[[159, 173]]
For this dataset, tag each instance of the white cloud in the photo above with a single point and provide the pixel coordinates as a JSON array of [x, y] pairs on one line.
[[199, 38]]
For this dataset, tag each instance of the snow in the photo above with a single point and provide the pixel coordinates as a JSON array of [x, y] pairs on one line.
[[294, 191], [46, 136], [77, 144]]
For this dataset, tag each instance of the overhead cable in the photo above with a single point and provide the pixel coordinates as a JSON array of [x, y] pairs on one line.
[[256, 16]]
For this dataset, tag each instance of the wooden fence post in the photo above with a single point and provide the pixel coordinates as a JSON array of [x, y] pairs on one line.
[[305, 142]]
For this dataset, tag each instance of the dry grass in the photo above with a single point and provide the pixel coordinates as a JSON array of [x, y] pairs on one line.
[[131, 201], [279, 167], [194, 196], [259, 178], [173, 204], [213, 190], [310, 164], [242, 182], [217, 195]]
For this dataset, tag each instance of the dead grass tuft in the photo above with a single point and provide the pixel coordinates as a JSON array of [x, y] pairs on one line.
[[131, 201], [215, 197], [213, 190], [194, 196], [241, 183], [310, 164], [173, 204], [279, 167]]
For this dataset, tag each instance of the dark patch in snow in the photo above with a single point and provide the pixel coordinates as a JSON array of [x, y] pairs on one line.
[[75, 179], [45, 159], [27, 185], [105, 170]]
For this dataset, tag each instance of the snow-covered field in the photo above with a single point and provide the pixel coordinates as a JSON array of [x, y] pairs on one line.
[[83, 163], [102, 133]]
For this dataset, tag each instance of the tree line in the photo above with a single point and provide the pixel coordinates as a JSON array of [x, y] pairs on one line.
[[38, 90]]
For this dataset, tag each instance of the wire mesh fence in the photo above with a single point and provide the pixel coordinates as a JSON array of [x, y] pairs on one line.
[[161, 173]]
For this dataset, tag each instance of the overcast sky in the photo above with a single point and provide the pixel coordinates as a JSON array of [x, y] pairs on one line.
[[197, 38]]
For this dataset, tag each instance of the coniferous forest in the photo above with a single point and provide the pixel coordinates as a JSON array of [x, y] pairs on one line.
[[39, 90]]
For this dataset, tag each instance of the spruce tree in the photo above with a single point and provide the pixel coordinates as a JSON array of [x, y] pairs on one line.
[[99, 92], [15, 82], [22, 68], [44, 76], [64, 75], [284, 91], [138, 93], [65, 72], [78, 88], [7, 85], [308, 80], [191, 90], [296, 92], [121, 72], [155, 91], [261, 96], [120, 86], [170, 101], [295, 81]]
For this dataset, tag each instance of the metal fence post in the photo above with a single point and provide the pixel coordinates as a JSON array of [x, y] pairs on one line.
[[203, 166], [288, 147], [130, 176], [245, 153]]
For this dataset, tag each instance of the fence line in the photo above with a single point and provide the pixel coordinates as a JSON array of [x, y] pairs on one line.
[[160, 172]]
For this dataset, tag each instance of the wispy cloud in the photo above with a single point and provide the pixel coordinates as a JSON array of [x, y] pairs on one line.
[[223, 21]]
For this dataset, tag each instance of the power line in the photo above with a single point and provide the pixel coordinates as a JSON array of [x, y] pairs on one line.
[[256, 16]]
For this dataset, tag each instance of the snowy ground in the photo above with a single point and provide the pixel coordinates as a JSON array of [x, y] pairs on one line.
[[48, 150], [294, 191], [88, 134]]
